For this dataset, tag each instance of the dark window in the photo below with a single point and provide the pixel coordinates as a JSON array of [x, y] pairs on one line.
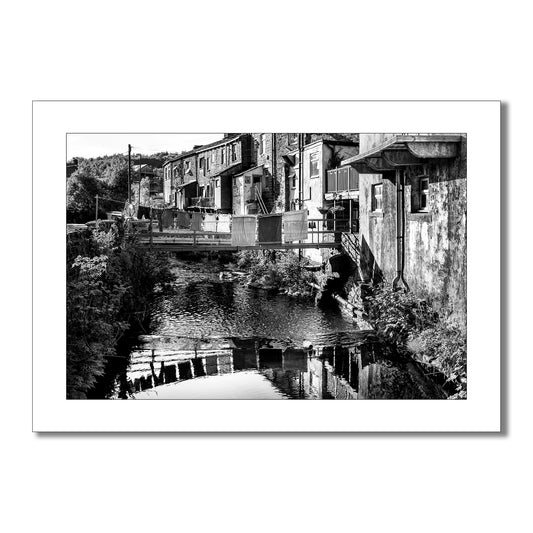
[[313, 165], [377, 197], [293, 138], [233, 152], [419, 194]]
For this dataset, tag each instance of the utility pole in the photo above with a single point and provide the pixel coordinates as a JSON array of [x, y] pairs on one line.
[[129, 173], [300, 179], [139, 181]]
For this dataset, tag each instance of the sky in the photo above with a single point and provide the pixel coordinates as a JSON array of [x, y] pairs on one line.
[[100, 144]]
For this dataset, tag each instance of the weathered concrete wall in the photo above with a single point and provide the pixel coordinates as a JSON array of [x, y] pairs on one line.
[[435, 258], [435, 241], [371, 140], [377, 229]]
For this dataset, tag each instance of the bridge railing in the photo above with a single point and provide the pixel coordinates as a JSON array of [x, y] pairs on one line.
[[320, 232]]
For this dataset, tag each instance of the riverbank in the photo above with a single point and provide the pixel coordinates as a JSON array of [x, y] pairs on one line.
[[110, 283], [409, 322]]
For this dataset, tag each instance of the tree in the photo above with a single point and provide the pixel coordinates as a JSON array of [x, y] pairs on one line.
[[82, 187]]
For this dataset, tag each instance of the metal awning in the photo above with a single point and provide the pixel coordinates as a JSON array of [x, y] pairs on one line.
[[405, 150], [183, 185]]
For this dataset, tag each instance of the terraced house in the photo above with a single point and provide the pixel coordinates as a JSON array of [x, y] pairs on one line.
[[181, 184]]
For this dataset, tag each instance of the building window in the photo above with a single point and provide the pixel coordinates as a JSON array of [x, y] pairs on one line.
[[187, 166], [222, 155], [262, 144], [233, 152], [420, 194], [213, 155], [293, 137], [202, 164], [377, 197], [313, 165]]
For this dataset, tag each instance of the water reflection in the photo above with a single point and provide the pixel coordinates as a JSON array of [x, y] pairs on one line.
[[213, 338], [365, 371]]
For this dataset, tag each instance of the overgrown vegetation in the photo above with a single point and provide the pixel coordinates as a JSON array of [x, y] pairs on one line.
[[409, 322], [273, 269], [109, 285], [106, 176]]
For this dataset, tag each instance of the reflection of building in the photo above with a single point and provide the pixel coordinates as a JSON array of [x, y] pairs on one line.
[[333, 372], [294, 372], [413, 213]]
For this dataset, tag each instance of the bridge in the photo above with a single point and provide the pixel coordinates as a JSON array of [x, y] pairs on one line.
[[176, 240]]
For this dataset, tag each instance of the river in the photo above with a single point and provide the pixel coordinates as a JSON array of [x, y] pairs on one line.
[[213, 338]]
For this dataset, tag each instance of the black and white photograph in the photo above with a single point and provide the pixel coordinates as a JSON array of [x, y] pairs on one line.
[[264, 266], [221, 215]]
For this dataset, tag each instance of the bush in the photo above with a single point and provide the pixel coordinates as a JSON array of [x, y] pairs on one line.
[[443, 346], [409, 322], [109, 283], [396, 313], [280, 269]]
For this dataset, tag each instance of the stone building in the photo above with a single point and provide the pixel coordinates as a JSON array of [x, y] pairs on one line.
[[217, 163], [412, 201], [147, 184], [307, 160], [180, 179]]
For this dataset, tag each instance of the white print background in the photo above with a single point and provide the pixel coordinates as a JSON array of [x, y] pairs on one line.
[[480, 120], [262, 483]]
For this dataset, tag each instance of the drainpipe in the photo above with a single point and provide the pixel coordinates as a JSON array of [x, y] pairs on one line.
[[300, 180], [274, 171], [400, 231], [300, 170]]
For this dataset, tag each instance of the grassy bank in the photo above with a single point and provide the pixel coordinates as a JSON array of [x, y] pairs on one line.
[[110, 283], [409, 322]]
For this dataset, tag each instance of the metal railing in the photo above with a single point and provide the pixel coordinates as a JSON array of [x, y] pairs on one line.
[[321, 231], [202, 201], [342, 179]]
